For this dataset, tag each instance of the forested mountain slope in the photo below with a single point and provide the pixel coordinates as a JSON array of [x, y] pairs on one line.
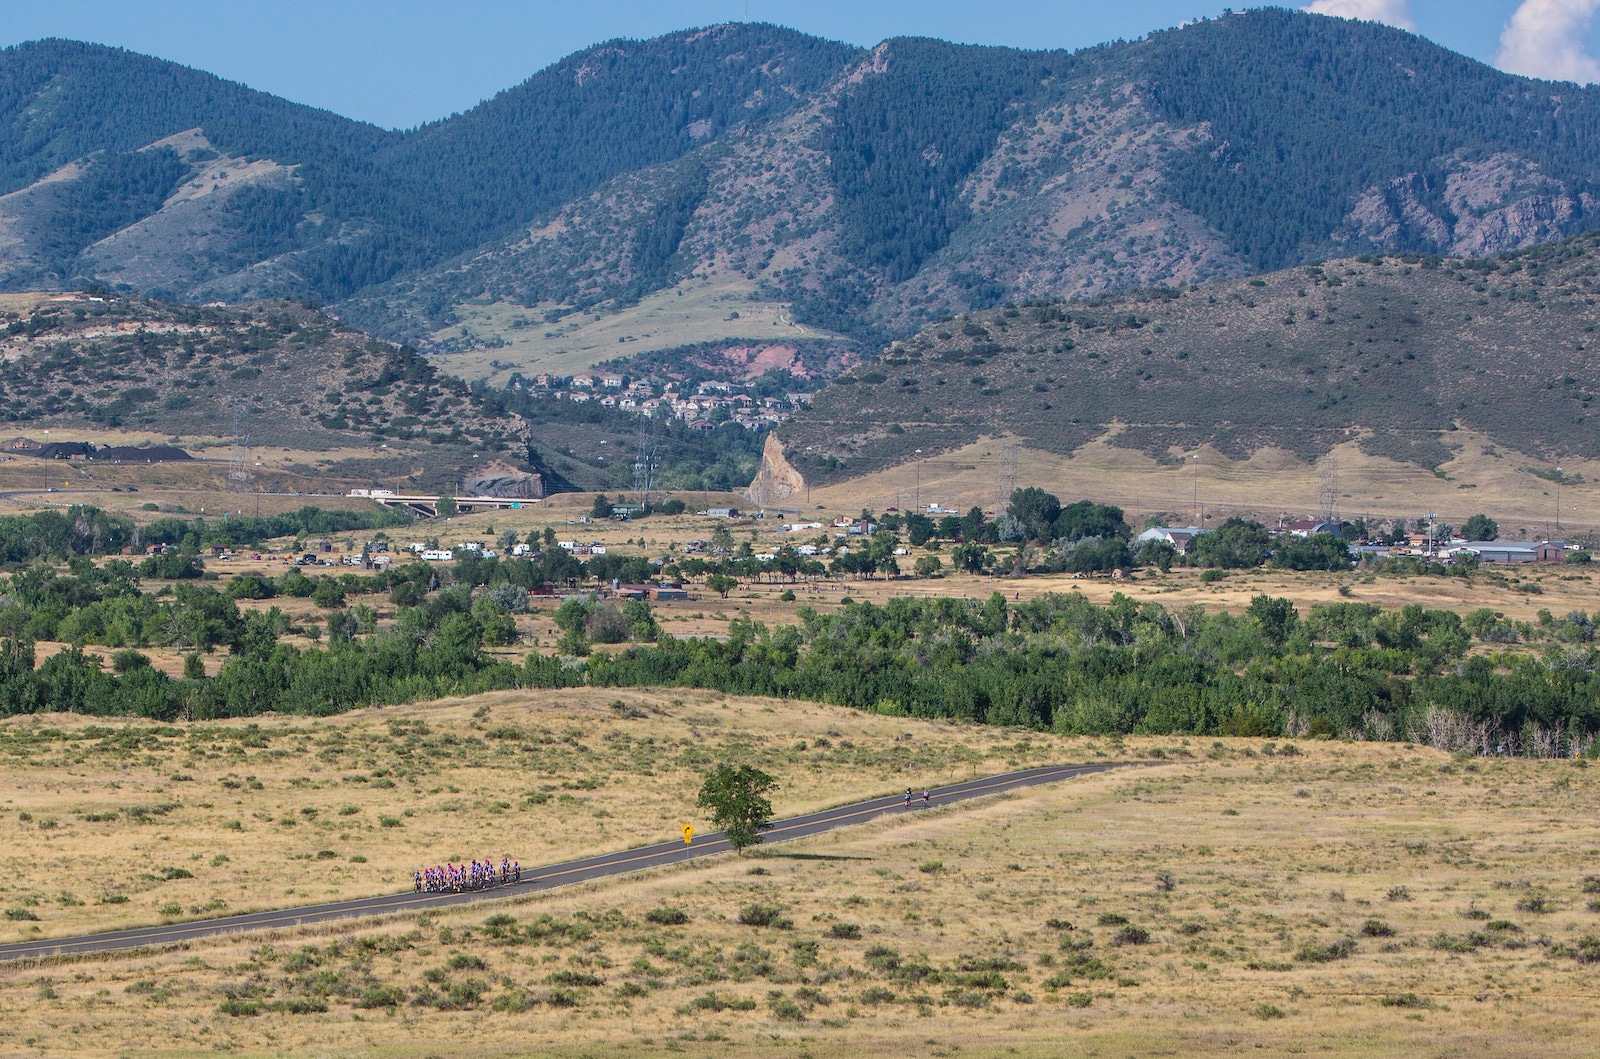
[[868, 192], [931, 178], [1399, 352], [258, 196]]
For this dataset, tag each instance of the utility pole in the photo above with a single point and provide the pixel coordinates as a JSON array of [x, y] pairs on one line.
[[1199, 516], [919, 479], [1559, 476]]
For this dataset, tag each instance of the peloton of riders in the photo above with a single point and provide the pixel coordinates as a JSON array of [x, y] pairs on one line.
[[478, 875]]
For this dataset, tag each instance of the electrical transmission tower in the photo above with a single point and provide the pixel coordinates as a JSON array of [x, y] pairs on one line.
[[1006, 480], [240, 473], [645, 461], [1328, 488]]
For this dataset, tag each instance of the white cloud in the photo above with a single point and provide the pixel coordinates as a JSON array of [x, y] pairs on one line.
[[1392, 12], [1545, 38]]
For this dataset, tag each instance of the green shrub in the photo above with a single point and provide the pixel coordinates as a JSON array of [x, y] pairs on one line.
[[759, 915], [298, 1006], [1451, 943], [667, 916], [785, 1010], [845, 931], [1334, 950], [575, 978]]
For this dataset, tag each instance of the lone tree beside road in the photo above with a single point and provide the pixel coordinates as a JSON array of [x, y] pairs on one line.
[[737, 798]]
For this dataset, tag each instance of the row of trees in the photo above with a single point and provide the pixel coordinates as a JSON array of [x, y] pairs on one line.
[[1057, 662]]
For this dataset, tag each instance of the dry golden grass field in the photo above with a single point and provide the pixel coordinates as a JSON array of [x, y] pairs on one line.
[[1234, 897]]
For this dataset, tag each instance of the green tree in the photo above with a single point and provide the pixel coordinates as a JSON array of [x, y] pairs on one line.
[[328, 593], [1276, 617], [1036, 509], [1235, 545], [722, 584], [602, 507], [1320, 551], [721, 541], [447, 507], [973, 558], [974, 526], [928, 566], [736, 795], [1481, 528]]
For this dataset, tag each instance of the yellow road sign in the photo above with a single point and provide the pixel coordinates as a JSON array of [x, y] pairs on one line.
[[688, 833]]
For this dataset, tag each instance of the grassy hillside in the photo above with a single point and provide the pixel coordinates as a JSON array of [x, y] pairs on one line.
[[282, 373], [1398, 352]]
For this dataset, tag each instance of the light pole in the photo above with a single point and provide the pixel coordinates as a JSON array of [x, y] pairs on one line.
[[1198, 514], [1559, 476], [919, 479]]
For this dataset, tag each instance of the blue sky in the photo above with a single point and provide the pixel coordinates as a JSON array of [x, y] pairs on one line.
[[401, 62]]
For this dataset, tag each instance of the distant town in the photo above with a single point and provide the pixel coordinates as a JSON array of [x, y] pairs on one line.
[[702, 406]]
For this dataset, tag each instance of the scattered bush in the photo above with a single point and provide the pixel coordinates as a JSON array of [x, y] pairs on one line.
[[784, 1009], [1334, 950], [845, 931], [575, 978], [1376, 928], [667, 916], [759, 915], [1451, 943]]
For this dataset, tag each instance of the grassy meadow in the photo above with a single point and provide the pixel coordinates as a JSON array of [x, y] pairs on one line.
[[1320, 897]]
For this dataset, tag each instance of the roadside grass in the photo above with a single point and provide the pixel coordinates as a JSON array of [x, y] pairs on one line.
[[1022, 937], [278, 811]]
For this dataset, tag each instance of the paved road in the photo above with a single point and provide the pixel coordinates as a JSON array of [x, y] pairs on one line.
[[547, 878]]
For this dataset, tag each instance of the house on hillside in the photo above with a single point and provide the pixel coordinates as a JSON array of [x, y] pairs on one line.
[[1311, 527], [1180, 537]]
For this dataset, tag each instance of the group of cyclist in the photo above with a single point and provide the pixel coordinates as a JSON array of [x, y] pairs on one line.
[[483, 874], [478, 875]]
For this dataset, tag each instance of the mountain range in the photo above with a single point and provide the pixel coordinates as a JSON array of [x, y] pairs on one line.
[[857, 193]]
